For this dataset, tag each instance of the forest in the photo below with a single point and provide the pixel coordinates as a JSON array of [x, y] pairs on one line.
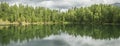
[[95, 14]]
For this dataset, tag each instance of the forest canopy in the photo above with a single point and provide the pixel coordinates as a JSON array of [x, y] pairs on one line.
[[98, 13]]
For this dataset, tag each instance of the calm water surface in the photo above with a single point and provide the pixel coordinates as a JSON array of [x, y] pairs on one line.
[[60, 35]]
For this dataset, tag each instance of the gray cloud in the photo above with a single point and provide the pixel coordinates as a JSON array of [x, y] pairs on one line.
[[59, 4]]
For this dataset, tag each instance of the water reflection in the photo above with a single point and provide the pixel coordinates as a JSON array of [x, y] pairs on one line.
[[67, 40], [73, 35]]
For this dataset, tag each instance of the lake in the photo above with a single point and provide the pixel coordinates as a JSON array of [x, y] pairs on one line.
[[60, 35]]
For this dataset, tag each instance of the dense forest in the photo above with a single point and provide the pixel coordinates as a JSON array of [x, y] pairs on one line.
[[98, 13]]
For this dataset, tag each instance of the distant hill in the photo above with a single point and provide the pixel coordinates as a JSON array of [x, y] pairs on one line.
[[116, 4]]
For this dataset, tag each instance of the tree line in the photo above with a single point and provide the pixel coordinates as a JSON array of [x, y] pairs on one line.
[[98, 13]]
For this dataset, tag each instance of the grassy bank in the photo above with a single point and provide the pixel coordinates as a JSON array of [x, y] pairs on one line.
[[39, 23], [28, 23]]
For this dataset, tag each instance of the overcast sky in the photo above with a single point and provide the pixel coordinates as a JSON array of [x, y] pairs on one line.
[[59, 4]]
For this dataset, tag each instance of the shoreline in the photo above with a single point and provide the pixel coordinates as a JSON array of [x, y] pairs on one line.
[[39, 23], [29, 23]]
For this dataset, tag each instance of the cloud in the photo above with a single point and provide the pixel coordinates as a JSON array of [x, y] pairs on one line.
[[59, 4]]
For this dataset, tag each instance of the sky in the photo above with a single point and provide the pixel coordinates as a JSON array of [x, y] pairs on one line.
[[60, 4]]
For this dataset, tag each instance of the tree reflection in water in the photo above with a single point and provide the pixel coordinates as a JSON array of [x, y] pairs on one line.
[[21, 33]]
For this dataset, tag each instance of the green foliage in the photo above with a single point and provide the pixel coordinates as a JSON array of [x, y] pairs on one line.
[[88, 15]]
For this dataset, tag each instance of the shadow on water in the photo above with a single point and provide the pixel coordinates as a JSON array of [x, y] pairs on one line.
[[21, 33]]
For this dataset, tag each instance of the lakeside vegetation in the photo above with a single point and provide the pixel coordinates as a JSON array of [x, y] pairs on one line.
[[95, 14]]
